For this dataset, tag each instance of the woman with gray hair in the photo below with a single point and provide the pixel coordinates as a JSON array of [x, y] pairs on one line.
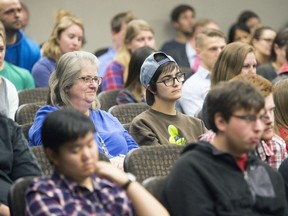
[[75, 83]]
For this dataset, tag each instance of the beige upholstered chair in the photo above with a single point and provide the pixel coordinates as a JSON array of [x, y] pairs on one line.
[[125, 113], [149, 161]]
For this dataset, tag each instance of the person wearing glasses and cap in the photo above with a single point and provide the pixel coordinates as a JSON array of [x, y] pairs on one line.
[[75, 83], [162, 124]]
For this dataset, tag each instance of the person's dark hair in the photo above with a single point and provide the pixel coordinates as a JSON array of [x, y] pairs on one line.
[[164, 68], [228, 97], [246, 15], [233, 28], [137, 59], [119, 19], [177, 11], [280, 40], [258, 32], [63, 126]]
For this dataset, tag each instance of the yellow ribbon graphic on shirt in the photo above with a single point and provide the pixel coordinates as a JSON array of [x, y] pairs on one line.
[[174, 136]]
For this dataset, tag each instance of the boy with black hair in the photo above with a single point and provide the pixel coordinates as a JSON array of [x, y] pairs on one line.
[[76, 184]]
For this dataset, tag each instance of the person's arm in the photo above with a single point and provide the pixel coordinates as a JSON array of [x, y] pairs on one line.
[[13, 99], [186, 192], [143, 202], [142, 133], [24, 163], [35, 130], [4, 210]]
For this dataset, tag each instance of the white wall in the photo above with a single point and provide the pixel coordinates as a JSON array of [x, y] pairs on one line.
[[96, 15]]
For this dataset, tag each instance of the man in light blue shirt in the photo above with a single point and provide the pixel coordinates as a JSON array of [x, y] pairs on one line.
[[209, 44], [118, 30]]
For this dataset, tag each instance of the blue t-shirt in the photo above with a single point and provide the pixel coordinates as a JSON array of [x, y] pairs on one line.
[[24, 53], [109, 129]]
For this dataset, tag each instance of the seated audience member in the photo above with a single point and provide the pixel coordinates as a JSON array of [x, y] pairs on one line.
[[272, 148], [262, 40], [9, 100], [67, 36], [280, 95], [182, 19], [20, 50], [81, 183], [223, 177], [190, 47], [16, 159], [209, 44], [133, 91], [138, 34], [162, 124], [283, 71], [236, 58], [278, 56], [250, 19], [74, 83], [118, 29], [239, 32], [20, 77]]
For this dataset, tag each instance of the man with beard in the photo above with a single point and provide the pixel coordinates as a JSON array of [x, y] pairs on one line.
[[272, 148], [182, 19], [20, 50]]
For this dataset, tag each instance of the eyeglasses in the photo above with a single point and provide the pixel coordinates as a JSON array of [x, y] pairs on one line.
[[89, 79], [252, 118], [180, 77], [268, 40]]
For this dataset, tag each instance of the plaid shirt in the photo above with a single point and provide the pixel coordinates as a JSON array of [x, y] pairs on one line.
[[272, 152], [113, 78], [57, 195]]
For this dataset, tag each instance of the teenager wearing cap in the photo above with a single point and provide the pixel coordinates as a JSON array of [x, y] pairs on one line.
[[162, 123]]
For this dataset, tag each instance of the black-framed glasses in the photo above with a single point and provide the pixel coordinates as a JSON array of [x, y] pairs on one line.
[[252, 118], [170, 81], [89, 79]]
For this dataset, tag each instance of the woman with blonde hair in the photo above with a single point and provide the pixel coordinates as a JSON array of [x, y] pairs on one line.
[[280, 95], [236, 58], [138, 34], [67, 36]]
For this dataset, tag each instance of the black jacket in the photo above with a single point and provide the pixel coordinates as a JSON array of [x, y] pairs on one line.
[[206, 182], [16, 160]]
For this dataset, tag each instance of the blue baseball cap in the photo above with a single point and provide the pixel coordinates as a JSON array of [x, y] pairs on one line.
[[148, 69]]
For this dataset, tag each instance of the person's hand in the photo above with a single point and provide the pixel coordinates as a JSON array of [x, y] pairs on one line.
[[118, 162], [4, 210], [108, 171]]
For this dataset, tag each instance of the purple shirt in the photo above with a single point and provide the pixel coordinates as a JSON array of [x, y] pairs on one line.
[[42, 70], [58, 195]]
